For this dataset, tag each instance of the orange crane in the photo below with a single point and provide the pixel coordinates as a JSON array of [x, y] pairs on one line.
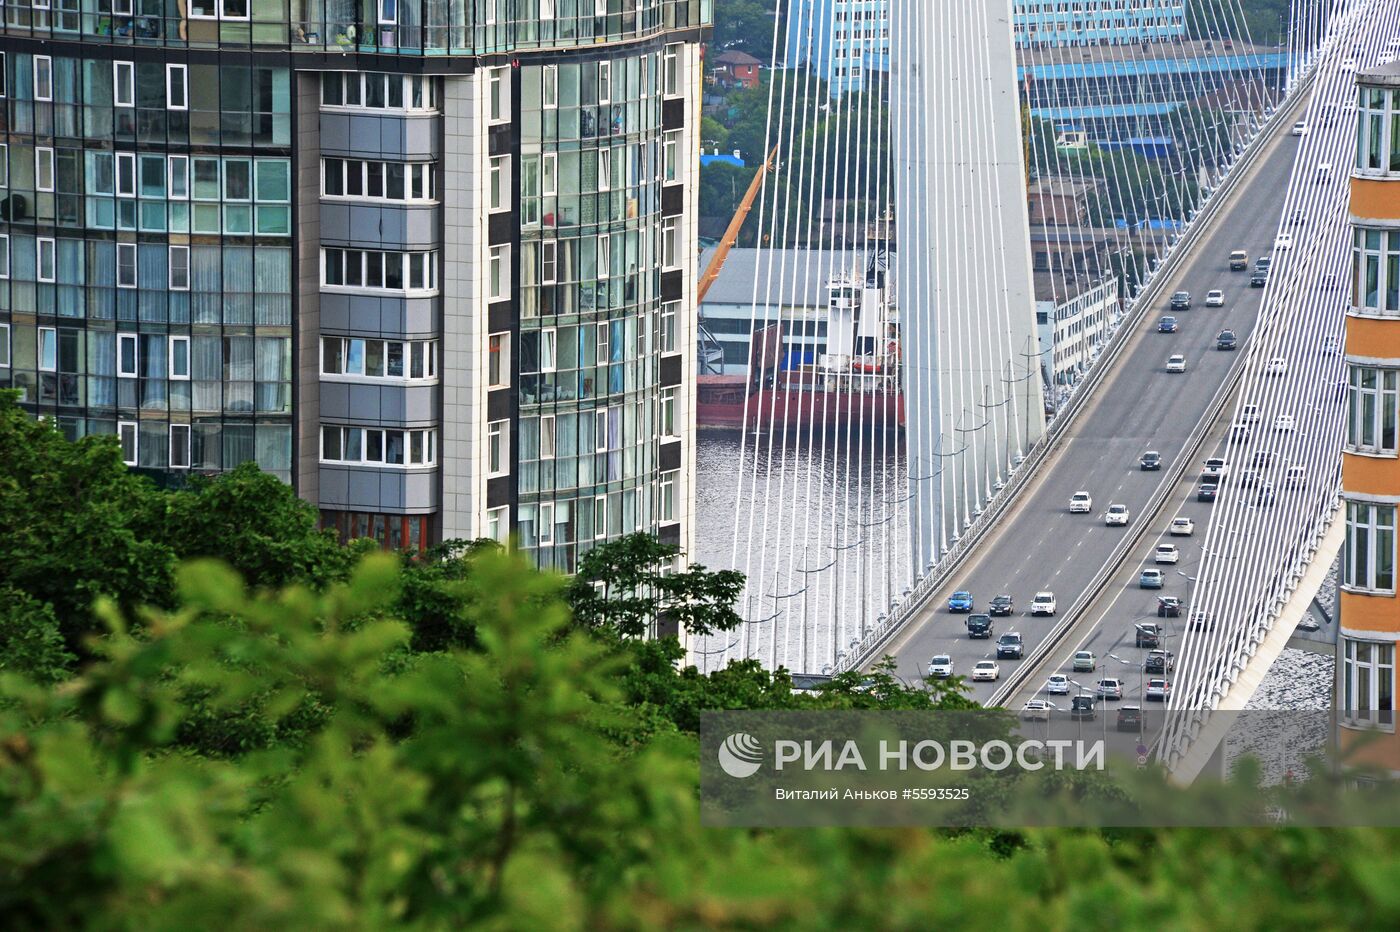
[[731, 234]]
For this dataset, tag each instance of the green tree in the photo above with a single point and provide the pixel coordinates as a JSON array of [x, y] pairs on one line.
[[30, 640]]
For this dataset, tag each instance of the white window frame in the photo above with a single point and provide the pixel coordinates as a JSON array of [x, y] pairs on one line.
[[605, 170], [5, 350], [549, 261], [174, 374], [43, 169], [39, 274], [498, 273], [670, 244], [600, 7], [667, 508], [497, 448], [666, 414], [604, 258], [1373, 530], [545, 532], [671, 71], [4, 256], [135, 429], [1367, 710], [498, 177], [172, 173], [129, 249], [129, 160], [122, 7], [48, 339], [549, 87], [549, 346], [600, 517], [497, 98], [180, 440], [183, 84], [4, 149], [547, 451], [549, 174], [221, 12], [123, 88], [502, 357], [600, 430], [498, 524], [130, 340], [1384, 402], [47, 61], [175, 285], [670, 314], [604, 80]]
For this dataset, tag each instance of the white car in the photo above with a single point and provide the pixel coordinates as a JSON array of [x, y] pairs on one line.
[[1324, 172], [1043, 603], [1300, 128], [1176, 363], [1158, 689], [1215, 468], [986, 670], [1295, 476], [1116, 516], [1081, 503], [1166, 553], [1215, 298], [1249, 414], [1109, 688], [1036, 710], [1348, 64], [1057, 685], [940, 667], [1182, 527], [1277, 366], [1284, 422], [1330, 345], [1283, 241]]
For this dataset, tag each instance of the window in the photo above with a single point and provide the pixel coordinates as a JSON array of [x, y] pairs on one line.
[[123, 84], [1368, 558], [498, 274], [177, 95], [667, 420], [549, 90], [374, 180], [497, 91], [126, 356], [498, 360], [600, 516], [392, 359], [496, 448], [671, 71], [122, 7], [179, 446], [4, 75], [43, 77], [670, 155], [604, 82], [178, 177], [668, 326], [126, 265], [546, 530], [670, 244], [128, 434], [549, 261], [547, 428], [4, 151], [500, 180], [48, 349], [126, 174], [45, 260], [549, 174], [602, 344], [1373, 397], [378, 91], [373, 446], [179, 268], [600, 431], [43, 169], [498, 524], [548, 345], [600, 7], [667, 505], [1367, 685], [219, 9], [371, 269], [604, 255], [180, 359], [4, 255], [604, 169]]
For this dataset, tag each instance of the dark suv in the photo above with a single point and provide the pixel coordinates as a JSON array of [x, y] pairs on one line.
[[1081, 707], [1151, 460], [1181, 301], [979, 626], [1226, 340], [1130, 718], [1159, 662], [1009, 646], [1001, 605]]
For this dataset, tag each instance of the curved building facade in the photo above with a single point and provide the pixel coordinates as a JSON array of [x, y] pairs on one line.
[[430, 262]]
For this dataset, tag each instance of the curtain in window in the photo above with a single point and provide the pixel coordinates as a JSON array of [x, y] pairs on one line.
[[153, 447], [70, 278], [206, 284], [206, 446], [238, 444], [238, 382], [66, 111], [206, 372], [272, 276], [152, 274], [238, 284], [274, 374], [274, 449], [102, 368]]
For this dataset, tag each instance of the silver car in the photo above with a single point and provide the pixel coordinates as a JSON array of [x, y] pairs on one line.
[[940, 667]]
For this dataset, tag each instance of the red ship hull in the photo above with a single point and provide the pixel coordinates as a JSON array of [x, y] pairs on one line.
[[720, 405]]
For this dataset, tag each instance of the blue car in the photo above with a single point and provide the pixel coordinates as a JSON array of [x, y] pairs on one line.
[[1151, 579], [960, 602]]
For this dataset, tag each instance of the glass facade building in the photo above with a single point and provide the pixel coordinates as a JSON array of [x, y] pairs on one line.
[[432, 263]]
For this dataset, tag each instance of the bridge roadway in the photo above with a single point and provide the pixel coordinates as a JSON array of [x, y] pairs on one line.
[[1039, 545]]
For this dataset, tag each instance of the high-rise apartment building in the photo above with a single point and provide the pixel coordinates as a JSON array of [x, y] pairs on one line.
[[1368, 607], [1052, 23], [430, 261]]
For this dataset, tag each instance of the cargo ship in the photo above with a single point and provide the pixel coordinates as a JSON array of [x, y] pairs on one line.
[[852, 382]]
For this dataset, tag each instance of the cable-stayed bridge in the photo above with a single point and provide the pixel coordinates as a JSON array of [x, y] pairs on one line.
[[926, 407]]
